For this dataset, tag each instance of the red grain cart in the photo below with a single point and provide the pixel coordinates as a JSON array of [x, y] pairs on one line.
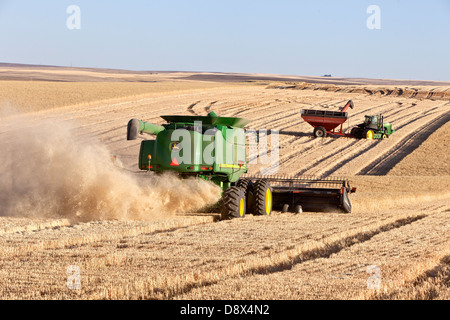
[[326, 122]]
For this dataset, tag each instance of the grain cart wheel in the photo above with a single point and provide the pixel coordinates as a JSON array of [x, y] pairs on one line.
[[263, 198], [233, 203], [320, 132], [247, 186], [368, 134]]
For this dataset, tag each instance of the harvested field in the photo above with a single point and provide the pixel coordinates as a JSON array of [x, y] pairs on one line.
[[72, 196]]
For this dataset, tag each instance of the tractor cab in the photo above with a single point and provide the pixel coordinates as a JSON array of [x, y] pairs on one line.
[[373, 127], [371, 122]]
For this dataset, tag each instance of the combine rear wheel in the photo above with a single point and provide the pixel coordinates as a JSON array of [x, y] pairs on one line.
[[263, 198], [233, 203]]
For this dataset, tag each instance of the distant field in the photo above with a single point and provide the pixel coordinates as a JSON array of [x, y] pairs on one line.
[[31, 96], [72, 195], [432, 158]]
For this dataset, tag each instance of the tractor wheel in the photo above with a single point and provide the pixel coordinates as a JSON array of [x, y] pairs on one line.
[[356, 132], [385, 136], [368, 134], [320, 132], [263, 198], [233, 203], [247, 186]]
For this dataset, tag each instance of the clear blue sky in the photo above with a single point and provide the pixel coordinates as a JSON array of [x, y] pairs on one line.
[[290, 37]]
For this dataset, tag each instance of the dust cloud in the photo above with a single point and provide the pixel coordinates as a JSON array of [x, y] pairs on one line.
[[47, 172]]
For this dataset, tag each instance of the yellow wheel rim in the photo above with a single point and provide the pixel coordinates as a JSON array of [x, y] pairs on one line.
[[370, 135], [268, 201], [241, 208]]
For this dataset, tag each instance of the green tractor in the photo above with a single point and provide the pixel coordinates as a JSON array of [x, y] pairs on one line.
[[373, 127], [209, 147]]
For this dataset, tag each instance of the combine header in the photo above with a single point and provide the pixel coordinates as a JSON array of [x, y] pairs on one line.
[[310, 193], [182, 143]]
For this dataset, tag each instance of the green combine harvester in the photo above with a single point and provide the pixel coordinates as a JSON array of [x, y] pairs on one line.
[[214, 149]]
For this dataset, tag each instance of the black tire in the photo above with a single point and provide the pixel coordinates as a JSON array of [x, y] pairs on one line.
[[320, 132], [263, 198], [298, 209], [247, 186], [233, 203], [356, 132], [285, 208]]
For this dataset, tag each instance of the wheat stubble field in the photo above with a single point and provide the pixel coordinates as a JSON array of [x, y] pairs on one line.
[[71, 194]]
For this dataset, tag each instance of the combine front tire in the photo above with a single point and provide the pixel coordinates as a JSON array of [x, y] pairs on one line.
[[263, 198], [247, 186], [233, 203]]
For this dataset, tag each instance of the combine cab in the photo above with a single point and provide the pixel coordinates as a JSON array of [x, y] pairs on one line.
[[214, 149]]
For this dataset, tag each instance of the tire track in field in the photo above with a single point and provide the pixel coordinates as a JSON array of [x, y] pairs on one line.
[[191, 107], [272, 105], [419, 288], [35, 226], [353, 153], [71, 238], [383, 165], [284, 260], [296, 155], [320, 163], [343, 155]]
